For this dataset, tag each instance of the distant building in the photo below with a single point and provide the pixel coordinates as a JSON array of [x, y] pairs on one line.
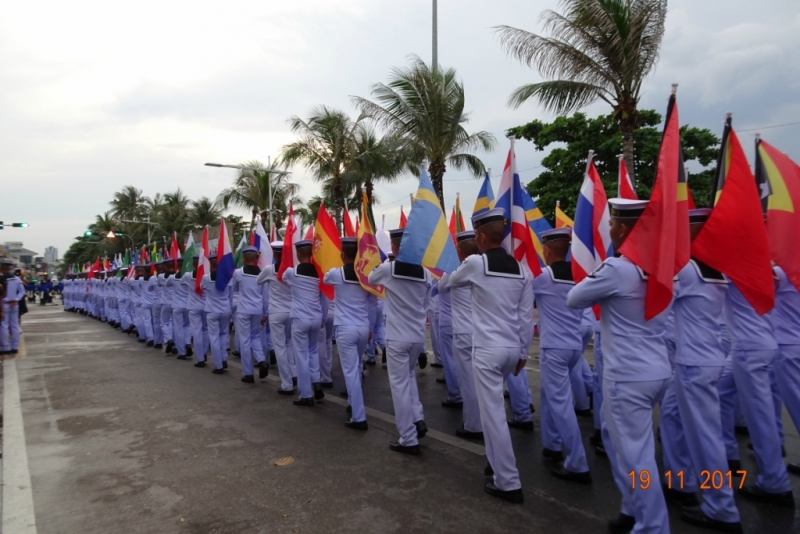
[[51, 255], [20, 253]]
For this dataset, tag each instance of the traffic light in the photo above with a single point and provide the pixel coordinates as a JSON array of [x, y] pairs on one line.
[[87, 233], [19, 225], [1, 225]]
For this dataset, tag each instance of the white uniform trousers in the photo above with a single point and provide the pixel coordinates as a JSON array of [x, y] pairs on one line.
[[597, 381], [519, 394], [9, 328], [378, 337], [352, 341], [199, 328], [305, 335], [178, 330], [462, 357], [728, 400], [449, 366], [751, 370], [217, 336], [559, 422], [491, 365], [433, 322], [401, 357], [697, 399], [280, 325], [166, 323], [248, 332], [787, 373], [147, 323], [628, 415], [325, 349], [581, 382]]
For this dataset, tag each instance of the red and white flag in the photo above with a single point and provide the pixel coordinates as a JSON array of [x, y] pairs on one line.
[[625, 186], [203, 265]]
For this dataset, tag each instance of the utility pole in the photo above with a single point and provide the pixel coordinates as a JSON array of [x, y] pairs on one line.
[[435, 60]]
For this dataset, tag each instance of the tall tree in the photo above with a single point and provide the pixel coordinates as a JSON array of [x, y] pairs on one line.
[[204, 213], [374, 159], [598, 50], [425, 108], [565, 165]]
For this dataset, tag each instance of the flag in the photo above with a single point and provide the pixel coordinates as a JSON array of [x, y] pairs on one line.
[[562, 219], [453, 226], [203, 265], [126, 261], [426, 240], [358, 225], [225, 262], [369, 255], [174, 250], [273, 234], [723, 163], [460, 226], [349, 229], [154, 259], [659, 242], [237, 255], [536, 223], [309, 233], [517, 241], [261, 242], [403, 219], [624, 183], [737, 220], [383, 240], [292, 235], [485, 200], [132, 267], [591, 241], [189, 252], [778, 178], [326, 249]]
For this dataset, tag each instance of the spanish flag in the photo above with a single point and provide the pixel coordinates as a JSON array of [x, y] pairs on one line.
[[326, 248], [779, 178], [562, 220]]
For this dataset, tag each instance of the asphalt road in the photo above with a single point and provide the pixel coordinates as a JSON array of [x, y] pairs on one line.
[[119, 437]]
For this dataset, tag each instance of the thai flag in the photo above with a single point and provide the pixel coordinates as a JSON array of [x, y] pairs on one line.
[[225, 263], [510, 198], [261, 242], [203, 265], [591, 241]]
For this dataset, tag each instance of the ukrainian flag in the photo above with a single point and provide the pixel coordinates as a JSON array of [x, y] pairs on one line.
[[536, 222], [426, 240], [485, 200]]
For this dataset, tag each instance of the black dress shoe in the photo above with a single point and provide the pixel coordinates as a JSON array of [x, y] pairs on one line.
[[371, 363], [440, 380], [596, 438], [348, 410], [793, 468], [200, 364], [326, 385], [514, 496], [521, 425], [506, 394], [248, 379], [318, 393], [237, 353], [170, 345], [174, 350], [422, 360], [584, 413], [150, 343], [343, 394], [158, 346], [784, 499], [623, 523], [466, 434], [697, 517], [218, 371], [488, 471], [437, 365], [741, 430], [182, 357], [294, 381], [356, 425], [783, 449], [303, 402], [533, 409], [553, 456], [422, 429], [272, 359], [453, 404], [413, 450], [14, 351], [189, 351], [286, 392], [224, 365], [140, 340], [383, 356], [263, 370], [558, 471], [684, 498], [734, 465]]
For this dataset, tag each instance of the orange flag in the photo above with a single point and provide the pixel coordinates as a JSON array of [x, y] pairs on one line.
[[326, 248]]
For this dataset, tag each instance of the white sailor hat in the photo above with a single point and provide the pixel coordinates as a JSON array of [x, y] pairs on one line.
[[352, 241], [699, 215], [303, 243], [464, 236], [625, 207], [248, 249], [556, 234], [6, 261], [397, 233], [277, 245], [488, 216]]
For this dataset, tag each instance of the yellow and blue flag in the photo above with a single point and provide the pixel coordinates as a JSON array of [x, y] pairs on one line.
[[536, 223], [485, 200], [426, 240]]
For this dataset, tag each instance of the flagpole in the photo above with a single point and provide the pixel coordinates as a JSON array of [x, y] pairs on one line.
[[511, 190]]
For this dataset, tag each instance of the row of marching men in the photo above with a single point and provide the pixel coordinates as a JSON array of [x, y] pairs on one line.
[[677, 360]]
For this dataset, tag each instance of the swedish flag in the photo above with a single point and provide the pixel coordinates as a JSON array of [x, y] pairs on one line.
[[485, 200], [426, 240]]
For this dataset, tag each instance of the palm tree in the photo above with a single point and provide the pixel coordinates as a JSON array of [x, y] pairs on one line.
[[173, 213], [251, 190], [130, 203], [325, 146], [425, 108], [204, 213], [374, 159], [599, 49]]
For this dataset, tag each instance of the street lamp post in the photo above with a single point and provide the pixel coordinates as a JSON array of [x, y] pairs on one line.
[[111, 235], [147, 222], [269, 172]]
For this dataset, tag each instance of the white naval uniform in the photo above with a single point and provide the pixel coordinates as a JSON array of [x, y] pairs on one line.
[[9, 328], [408, 291], [786, 322], [180, 317], [502, 319], [249, 311], [280, 325], [445, 320], [218, 316], [167, 298], [196, 306], [325, 345], [636, 374]]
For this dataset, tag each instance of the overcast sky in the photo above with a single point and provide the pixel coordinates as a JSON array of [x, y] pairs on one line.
[[95, 95]]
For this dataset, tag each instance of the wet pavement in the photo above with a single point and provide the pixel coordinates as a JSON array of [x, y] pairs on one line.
[[122, 438]]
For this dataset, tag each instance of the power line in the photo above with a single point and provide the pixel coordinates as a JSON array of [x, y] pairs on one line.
[[768, 127]]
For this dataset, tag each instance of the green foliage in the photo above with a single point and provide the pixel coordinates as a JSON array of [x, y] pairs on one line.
[[574, 136]]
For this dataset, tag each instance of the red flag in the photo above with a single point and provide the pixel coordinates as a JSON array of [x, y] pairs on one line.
[[292, 234], [93, 268], [358, 225], [659, 241], [175, 250], [779, 177], [349, 229], [403, 218], [625, 185], [310, 233], [734, 239], [326, 249], [203, 265], [689, 197], [453, 225], [273, 234]]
